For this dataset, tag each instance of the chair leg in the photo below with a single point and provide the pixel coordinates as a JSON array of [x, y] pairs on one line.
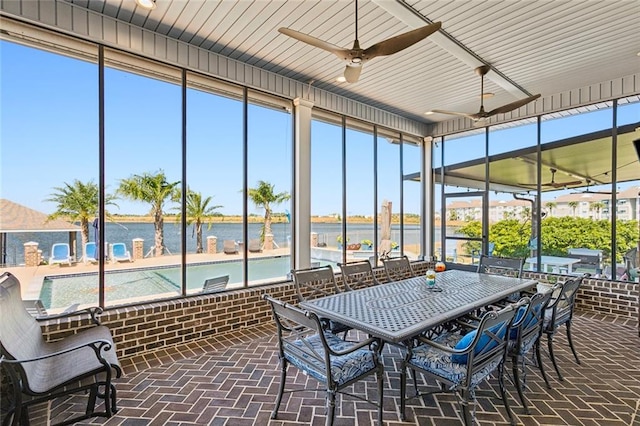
[[114, 406], [283, 379], [553, 358], [503, 392], [518, 381], [91, 401], [403, 390], [467, 418], [575, 354], [380, 375], [540, 365], [331, 407]]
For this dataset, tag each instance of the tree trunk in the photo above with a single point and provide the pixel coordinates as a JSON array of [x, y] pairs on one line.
[[198, 236], [84, 232], [159, 235], [267, 221]]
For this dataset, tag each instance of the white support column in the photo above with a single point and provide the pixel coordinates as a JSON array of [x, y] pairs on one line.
[[302, 173], [427, 199]]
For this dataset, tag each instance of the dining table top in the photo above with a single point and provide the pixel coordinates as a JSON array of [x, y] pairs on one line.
[[399, 310]]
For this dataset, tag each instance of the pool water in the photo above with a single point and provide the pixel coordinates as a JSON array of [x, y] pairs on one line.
[[131, 285]]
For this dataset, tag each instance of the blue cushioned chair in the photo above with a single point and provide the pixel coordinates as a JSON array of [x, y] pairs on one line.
[[336, 364], [525, 335], [460, 363]]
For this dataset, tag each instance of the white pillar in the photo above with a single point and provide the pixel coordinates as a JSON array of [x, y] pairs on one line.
[[301, 217], [427, 199]]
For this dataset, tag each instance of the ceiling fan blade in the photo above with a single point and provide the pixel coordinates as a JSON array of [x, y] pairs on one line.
[[316, 42], [401, 42], [461, 114], [352, 73], [513, 105]]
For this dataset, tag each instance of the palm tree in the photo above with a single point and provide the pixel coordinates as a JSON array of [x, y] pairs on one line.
[[198, 212], [78, 202], [264, 196], [574, 206], [596, 206], [153, 189], [551, 205]]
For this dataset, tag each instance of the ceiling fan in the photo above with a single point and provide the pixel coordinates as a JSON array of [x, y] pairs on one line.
[[553, 183], [356, 56], [482, 70], [589, 191]]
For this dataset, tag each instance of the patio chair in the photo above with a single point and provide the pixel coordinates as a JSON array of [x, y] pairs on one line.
[[229, 247], [60, 253], [357, 275], [525, 335], [508, 266], [398, 268], [41, 371], [119, 253], [461, 362], [313, 283], [36, 308], [212, 285], [559, 312], [334, 363]]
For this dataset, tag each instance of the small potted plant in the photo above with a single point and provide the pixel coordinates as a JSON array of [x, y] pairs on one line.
[[366, 244], [394, 245], [340, 242]]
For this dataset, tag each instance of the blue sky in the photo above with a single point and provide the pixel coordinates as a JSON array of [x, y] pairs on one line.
[[49, 136]]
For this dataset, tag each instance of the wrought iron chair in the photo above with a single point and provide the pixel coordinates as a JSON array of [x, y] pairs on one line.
[[461, 362], [508, 266], [357, 275], [328, 359], [559, 312], [398, 268], [525, 335], [313, 283], [40, 371]]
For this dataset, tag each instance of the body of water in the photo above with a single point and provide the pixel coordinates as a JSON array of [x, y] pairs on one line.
[[126, 232]]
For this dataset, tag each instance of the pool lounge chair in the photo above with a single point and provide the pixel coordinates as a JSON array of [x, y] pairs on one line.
[[229, 247], [119, 253], [212, 285], [60, 253], [255, 246], [90, 254]]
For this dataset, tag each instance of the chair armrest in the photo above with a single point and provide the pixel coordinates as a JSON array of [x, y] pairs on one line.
[[97, 346], [92, 311], [446, 348], [368, 342]]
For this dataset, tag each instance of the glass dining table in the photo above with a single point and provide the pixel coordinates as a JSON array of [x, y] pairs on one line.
[[397, 311]]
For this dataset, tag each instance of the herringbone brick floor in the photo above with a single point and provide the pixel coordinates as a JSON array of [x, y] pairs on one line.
[[234, 380]]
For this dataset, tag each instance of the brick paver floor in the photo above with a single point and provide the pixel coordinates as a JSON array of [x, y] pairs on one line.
[[233, 380]]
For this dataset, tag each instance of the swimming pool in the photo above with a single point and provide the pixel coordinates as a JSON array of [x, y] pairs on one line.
[[141, 284]]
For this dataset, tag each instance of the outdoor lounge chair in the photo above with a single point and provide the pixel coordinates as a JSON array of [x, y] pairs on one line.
[[212, 285], [41, 370], [229, 247], [90, 254], [119, 253], [255, 246], [60, 253], [334, 363]]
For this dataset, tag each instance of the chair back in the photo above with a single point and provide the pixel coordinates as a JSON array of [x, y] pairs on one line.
[[508, 266], [20, 333], [527, 324], [119, 249], [356, 275], [90, 250], [489, 346], [298, 330], [215, 284], [398, 268], [560, 308], [313, 283], [60, 251]]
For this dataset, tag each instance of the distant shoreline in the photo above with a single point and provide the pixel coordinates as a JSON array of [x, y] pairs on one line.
[[251, 219]]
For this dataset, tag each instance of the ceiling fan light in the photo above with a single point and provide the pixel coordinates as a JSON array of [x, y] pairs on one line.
[[146, 4], [341, 79]]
